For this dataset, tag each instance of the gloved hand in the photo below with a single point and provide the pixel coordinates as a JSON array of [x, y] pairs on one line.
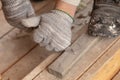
[[16, 10], [54, 31]]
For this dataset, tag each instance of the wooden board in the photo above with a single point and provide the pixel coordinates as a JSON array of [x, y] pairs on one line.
[[67, 60], [117, 77], [41, 66], [86, 61], [4, 26], [109, 68], [14, 46], [26, 64], [104, 61]]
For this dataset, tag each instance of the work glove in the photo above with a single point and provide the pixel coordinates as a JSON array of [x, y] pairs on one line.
[[54, 29], [16, 10]]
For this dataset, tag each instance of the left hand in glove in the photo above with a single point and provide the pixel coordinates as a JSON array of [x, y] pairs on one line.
[[16, 10], [54, 31]]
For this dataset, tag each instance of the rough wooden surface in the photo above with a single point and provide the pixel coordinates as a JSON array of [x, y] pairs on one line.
[[13, 48], [5, 27], [117, 77], [109, 68], [67, 60], [41, 66], [26, 64], [101, 62], [8, 45], [86, 61]]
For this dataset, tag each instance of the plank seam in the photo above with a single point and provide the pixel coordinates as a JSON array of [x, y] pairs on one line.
[[19, 59], [98, 58], [7, 33], [115, 75]]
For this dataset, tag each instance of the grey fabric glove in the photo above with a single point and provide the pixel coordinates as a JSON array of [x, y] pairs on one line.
[[16, 10], [54, 31]]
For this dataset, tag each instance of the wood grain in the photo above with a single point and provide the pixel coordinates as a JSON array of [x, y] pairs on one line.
[[117, 77], [5, 27], [98, 66], [14, 46], [84, 63], [26, 64], [109, 68], [67, 60]]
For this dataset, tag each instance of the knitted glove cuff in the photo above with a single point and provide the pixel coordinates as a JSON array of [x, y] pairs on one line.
[[63, 14]]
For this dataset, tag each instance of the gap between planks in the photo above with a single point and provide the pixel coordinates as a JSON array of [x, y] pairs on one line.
[[117, 76], [101, 63], [84, 63], [110, 68]]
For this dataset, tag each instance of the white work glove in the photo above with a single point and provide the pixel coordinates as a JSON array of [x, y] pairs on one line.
[[54, 29], [16, 10]]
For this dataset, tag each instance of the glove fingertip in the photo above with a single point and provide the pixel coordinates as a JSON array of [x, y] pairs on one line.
[[37, 39], [58, 50], [49, 48], [31, 22]]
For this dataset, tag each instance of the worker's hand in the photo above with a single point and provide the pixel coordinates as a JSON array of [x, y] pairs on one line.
[[16, 10], [54, 31]]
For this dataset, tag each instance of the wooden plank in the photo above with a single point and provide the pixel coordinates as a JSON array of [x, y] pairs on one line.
[[86, 61], [14, 46], [5, 27], [41, 66], [26, 64], [109, 69], [117, 77], [67, 60], [100, 63]]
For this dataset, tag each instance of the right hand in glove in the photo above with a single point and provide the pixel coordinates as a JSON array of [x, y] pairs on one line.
[[54, 31], [16, 10]]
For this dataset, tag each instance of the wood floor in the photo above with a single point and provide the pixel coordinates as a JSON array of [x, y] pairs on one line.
[[92, 58]]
